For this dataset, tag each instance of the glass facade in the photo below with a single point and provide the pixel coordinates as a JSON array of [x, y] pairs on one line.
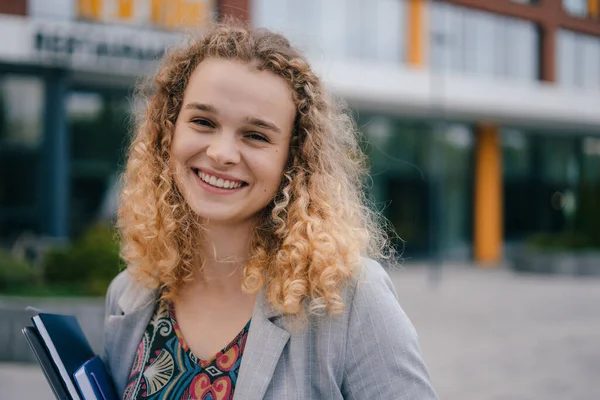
[[21, 115], [591, 160], [422, 180], [543, 175], [518, 178], [456, 158], [98, 125]]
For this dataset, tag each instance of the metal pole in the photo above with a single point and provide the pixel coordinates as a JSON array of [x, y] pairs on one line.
[[56, 165], [436, 179]]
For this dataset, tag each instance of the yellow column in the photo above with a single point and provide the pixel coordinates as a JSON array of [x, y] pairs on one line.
[[192, 13], [488, 218], [90, 9], [126, 9], [593, 6], [171, 14], [157, 11], [416, 34]]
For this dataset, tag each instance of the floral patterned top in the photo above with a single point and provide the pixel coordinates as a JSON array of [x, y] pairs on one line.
[[165, 368]]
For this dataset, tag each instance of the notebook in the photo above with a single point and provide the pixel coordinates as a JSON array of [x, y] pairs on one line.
[[43, 357], [66, 344]]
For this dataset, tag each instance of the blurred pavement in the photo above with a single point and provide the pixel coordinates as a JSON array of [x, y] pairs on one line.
[[497, 335], [486, 335]]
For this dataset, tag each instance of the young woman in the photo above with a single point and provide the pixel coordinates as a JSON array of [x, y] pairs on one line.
[[248, 241]]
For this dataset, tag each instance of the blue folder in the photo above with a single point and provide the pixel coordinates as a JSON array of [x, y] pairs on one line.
[[64, 352], [94, 382], [66, 344]]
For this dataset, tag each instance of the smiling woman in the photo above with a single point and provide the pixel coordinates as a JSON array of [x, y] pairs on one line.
[[249, 242]]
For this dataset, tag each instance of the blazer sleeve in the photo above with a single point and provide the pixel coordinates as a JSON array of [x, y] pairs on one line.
[[110, 308], [383, 359]]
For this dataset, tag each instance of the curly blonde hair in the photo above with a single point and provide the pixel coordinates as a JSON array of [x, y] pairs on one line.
[[312, 236]]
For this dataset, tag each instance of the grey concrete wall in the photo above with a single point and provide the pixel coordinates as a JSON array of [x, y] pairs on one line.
[[14, 316]]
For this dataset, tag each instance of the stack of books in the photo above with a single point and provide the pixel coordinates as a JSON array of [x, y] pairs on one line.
[[69, 364]]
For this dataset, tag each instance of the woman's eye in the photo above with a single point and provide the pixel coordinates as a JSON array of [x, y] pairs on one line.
[[203, 122], [257, 136]]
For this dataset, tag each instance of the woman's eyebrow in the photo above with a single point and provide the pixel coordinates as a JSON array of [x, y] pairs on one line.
[[201, 107], [261, 123]]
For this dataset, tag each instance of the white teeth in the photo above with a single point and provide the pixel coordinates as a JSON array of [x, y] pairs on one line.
[[218, 182]]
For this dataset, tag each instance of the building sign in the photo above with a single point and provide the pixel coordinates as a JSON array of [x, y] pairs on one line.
[[123, 50], [75, 44], [83, 45], [167, 14]]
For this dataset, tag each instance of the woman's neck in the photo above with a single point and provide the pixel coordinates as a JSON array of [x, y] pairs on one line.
[[225, 251]]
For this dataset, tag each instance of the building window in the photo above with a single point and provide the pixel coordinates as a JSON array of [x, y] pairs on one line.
[[517, 184], [21, 114], [421, 180], [591, 160], [51, 9], [578, 60], [578, 8], [474, 42], [516, 159], [98, 131], [370, 30]]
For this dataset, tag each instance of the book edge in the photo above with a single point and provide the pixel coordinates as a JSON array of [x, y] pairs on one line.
[[39, 324], [59, 393], [82, 379]]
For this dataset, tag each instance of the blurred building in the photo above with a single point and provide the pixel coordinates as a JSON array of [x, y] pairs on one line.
[[482, 116], [67, 68]]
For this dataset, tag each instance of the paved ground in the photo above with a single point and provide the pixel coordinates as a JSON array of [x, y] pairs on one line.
[[488, 335], [495, 335]]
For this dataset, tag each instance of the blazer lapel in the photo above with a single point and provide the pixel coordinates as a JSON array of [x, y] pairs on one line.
[[265, 343], [125, 331]]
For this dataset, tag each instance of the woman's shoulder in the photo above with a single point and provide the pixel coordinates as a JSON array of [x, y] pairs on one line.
[[120, 282], [126, 294], [372, 304], [367, 293], [370, 285], [372, 271]]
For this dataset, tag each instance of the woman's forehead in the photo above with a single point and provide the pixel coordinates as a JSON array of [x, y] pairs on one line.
[[234, 87]]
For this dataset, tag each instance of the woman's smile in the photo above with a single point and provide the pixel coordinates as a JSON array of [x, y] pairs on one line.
[[217, 184]]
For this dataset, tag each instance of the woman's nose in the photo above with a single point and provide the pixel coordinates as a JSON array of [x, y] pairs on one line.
[[223, 149]]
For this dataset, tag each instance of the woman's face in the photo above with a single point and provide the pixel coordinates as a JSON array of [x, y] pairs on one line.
[[231, 140]]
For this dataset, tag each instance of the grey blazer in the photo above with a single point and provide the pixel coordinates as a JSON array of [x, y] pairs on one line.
[[370, 351]]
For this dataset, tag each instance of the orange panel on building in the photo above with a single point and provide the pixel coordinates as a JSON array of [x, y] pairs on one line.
[[416, 33], [168, 14], [593, 6], [488, 232]]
